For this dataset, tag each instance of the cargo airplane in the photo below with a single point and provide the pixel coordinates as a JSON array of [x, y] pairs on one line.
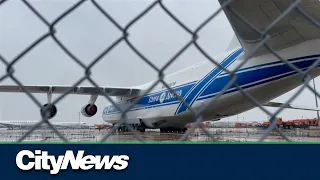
[[264, 76]]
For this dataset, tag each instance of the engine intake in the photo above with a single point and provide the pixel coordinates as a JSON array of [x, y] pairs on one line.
[[50, 112], [89, 110]]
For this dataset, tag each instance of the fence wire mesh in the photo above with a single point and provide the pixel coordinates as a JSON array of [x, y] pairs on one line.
[[264, 33]]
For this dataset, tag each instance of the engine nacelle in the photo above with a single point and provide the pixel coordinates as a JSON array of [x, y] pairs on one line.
[[89, 110], [50, 113]]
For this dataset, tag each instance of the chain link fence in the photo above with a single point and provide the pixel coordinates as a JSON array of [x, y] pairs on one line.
[[294, 6]]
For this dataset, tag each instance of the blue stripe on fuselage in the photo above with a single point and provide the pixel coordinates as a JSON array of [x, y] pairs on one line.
[[194, 93], [276, 63], [249, 77], [246, 79]]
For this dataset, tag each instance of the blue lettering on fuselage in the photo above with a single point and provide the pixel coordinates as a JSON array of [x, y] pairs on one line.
[[165, 97], [153, 99], [173, 96]]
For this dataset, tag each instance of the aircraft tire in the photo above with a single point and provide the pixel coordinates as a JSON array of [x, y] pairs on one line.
[[184, 130], [163, 130], [142, 128]]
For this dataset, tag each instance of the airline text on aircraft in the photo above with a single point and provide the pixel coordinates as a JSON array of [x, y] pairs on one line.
[[164, 96]]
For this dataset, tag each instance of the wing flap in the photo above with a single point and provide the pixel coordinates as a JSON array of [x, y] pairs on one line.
[[5, 124], [293, 29], [291, 106], [73, 90]]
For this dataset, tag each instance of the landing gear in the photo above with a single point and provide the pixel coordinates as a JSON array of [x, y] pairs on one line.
[[141, 127], [173, 130], [123, 129]]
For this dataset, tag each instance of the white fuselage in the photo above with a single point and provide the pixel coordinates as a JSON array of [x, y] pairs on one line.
[[264, 78]]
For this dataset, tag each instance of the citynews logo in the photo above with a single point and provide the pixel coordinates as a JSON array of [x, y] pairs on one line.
[[40, 160]]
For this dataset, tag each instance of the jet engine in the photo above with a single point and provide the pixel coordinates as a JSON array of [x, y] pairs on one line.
[[52, 111], [89, 110]]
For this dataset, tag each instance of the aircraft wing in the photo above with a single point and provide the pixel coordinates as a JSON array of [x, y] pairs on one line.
[[291, 106], [295, 28], [68, 125], [75, 90], [6, 124]]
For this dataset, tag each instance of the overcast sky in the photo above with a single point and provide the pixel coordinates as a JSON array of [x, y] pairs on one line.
[[86, 33]]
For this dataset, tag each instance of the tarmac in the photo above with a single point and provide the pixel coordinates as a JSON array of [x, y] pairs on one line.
[[198, 135]]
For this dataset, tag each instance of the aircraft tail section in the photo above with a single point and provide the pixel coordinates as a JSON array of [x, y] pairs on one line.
[[234, 43]]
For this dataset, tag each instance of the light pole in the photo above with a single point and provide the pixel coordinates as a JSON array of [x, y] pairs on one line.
[[316, 99], [79, 117]]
